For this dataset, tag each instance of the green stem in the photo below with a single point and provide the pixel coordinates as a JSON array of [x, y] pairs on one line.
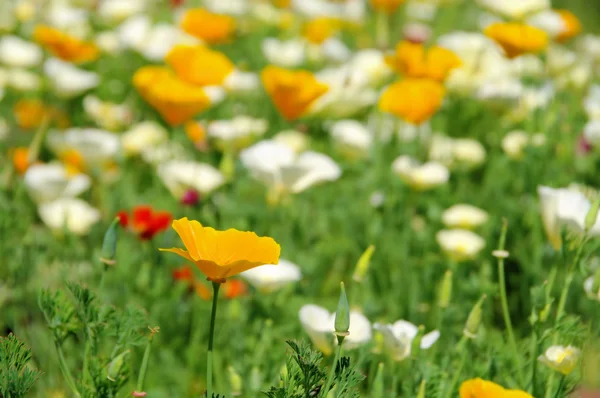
[[505, 310], [86, 354], [330, 378], [142, 376], [560, 386], [570, 274], [535, 349], [211, 334], [457, 374], [65, 371]]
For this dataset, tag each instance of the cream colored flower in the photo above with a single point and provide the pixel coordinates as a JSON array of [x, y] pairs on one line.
[[180, 176], [500, 94], [107, 115], [23, 80], [398, 338], [515, 142], [288, 54], [67, 80], [420, 176], [294, 139], [96, 147], [591, 102], [588, 287], [468, 151], [460, 244], [109, 42], [549, 21], [20, 53], [115, 11], [515, 9], [271, 277], [237, 132], [352, 138], [143, 136], [76, 215], [48, 182], [464, 216], [560, 358], [350, 10]]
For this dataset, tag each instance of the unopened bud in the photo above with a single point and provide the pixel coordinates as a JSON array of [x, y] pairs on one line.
[[115, 366], [109, 245], [255, 379], [235, 381], [342, 315], [592, 215], [474, 320], [421, 393], [445, 290], [362, 266]]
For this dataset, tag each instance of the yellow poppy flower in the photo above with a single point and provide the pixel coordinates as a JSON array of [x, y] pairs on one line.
[[199, 65], [65, 47], [388, 6], [292, 92], [320, 29], [517, 38], [413, 100], [31, 113], [478, 388], [571, 23], [221, 254], [411, 60], [207, 26], [176, 100]]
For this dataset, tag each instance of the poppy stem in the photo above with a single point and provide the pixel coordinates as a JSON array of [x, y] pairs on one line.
[[211, 334], [338, 354]]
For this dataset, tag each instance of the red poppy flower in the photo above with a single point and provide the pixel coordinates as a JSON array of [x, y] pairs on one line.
[[183, 274], [145, 222], [177, 3]]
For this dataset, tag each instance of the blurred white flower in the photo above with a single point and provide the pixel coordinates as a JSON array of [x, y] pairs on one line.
[[460, 244], [532, 98], [238, 81], [350, 10], [76, 215], [549, 21], [237, 132], [398, 338], [180, 176], [23, 80], [371, 63], [106, 114], [109, 42], [591, 102], [500, 93], [277, 166], [561, 359], [514, 9], [272, 277], [464, 216], [17, 52], [588, 287], [48, 182], [420, 11], [468, 151], [115, 11], [334, 50], [285, 53], [236, 8], [352, 138], [515, 142], [72, 20], [96, 147], [67, 80], [168, 150], [528, 65], [420, 176], [377, 199], [589, 46], [591, 132], [296, 140], [142, 136]]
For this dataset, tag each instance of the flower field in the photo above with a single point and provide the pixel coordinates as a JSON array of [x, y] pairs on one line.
[[299, 198]]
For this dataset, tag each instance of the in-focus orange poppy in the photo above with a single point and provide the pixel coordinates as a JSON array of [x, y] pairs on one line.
[[222, 254], [176, 100], [292, 92], [207, 26], [411, 60], [200, 65], [387, 6], [572, 26], [517, 38], [65, 47], [413, 100], [478, 388]]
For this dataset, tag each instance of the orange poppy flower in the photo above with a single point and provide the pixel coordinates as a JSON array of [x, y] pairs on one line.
[[292, 92], [517, 38], [572, 26], [411, 60], [20, 158], [176, 100], [478, 388], [200, 65], [65, 47], [413, 100], [388, 6], [31, 113], [207, 26], [221, 254], [320, 29]]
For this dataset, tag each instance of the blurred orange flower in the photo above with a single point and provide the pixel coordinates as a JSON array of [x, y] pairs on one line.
[[411, 60], [233, 288], [31, 113], [517, 38], [413, 100], [221, 254], [572, 26], [73, 160], [200, 65], [195, 131], [478, 388], [176, 100], [207, 26], [65, 47], [388, 6], [320, 29], [20, 159], [292, 92]]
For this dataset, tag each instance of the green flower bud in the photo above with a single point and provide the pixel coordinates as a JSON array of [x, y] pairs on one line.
[[255, 379], [421, 393], [235, 381], [445, 292], [592, 215], [362, 266], [109, 245], [115, 366], [474, 320], [342, 314]]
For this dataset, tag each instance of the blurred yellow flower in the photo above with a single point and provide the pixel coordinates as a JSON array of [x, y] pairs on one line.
[[221, 254], [517, 38], [176, 100], [20, 159], [292, 92], [31, 113], [388, 6], [478, 388], [413, 100], [199, 65], [411, 60], [65, 47], [73, 160], [560, 358], [572, 26], [207, 26], [320, 29]]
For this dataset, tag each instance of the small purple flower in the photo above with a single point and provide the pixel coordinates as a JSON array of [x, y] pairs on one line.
[[583, 146], [190, 198]]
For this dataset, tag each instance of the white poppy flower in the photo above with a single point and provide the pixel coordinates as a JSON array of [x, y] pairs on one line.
[[68, 80], [72, 20], [288, 53], [350, 10], [334, 50], [588, 287], [114, 11], [17, 52], [515, 9], [296, 140], [398, 338], [352, 138], [237, 132], [97, 147], [179, 176], [460, 244], [109, 42], [560, 358], [464, 216], [589, 46], [591, 131], [107, 114], [468, 151], [143, 136], [48, 182], [23, 80], [515, 142], [272, 277], [372, 64], [238, 81], [591, 102], [420, 176], [74, 214], [236, 8], [134, 31], [549, 21]]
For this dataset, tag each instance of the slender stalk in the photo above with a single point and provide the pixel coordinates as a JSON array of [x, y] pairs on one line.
[[211, 334], [86, 354], [142, 375], [561, 383], [65, 371], [338, 354], [505, 310], [457, 374]]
